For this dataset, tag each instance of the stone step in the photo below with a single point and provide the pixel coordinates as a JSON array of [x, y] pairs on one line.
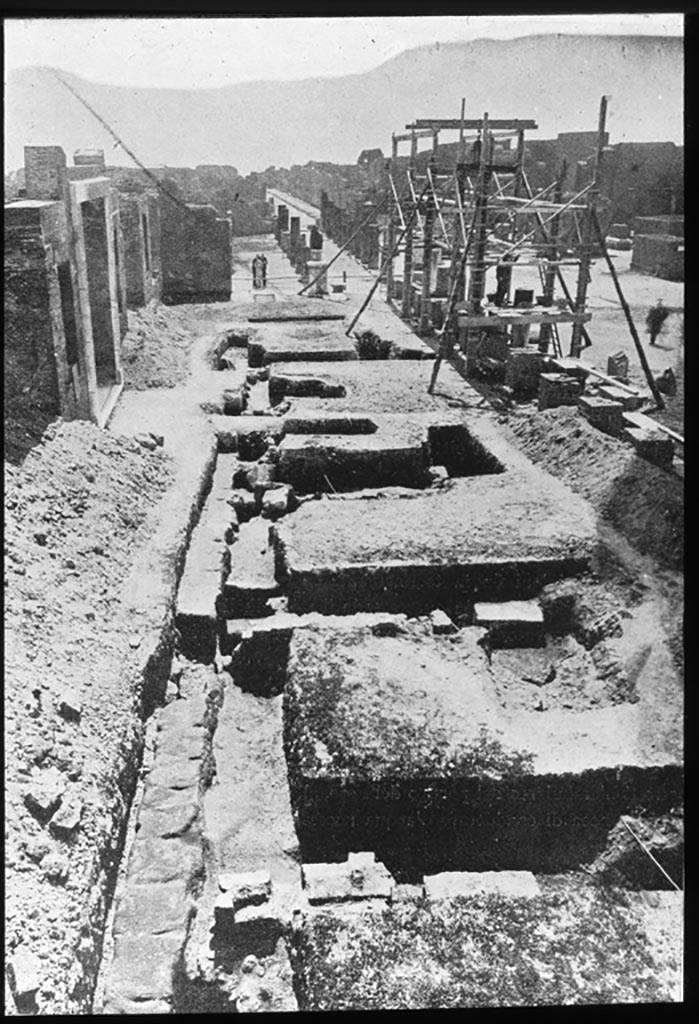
[[511, 623], [251, 580], [397, 454]]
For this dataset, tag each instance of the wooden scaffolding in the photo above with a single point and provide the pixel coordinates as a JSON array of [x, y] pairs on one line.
[[454, 223]]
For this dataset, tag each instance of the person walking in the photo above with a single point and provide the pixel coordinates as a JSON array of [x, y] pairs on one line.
[[657, 315]]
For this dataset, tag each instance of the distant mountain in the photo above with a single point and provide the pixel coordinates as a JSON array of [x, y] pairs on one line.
[[556, 79]]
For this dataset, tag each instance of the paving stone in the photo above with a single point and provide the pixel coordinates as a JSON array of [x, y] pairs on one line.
[[162, 860], [142, 968], [360, 877], [251, 580], [153, 908], [448, 884], [168, 812]]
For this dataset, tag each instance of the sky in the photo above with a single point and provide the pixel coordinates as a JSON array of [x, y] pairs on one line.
[[209, 52]]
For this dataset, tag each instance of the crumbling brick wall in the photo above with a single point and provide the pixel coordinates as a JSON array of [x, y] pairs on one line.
[[195, 251], [42, 328]]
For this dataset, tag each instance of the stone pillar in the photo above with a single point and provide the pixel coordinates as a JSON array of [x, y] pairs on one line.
[[45, 171]]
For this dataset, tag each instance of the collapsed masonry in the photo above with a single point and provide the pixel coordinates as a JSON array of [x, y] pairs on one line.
[[78, 254]]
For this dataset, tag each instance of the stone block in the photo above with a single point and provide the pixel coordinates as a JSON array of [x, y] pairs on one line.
[[559, 389], [70, 705], [511, 623], [629, 403], [653, 445], [195, 615], [67, 818], [302, 385], [243, 504], [276, 502], [522, 370], [441, 623], [24, 969], [360, 877], [248, 888], [234, 401], [45, 792], [449, 884], [602, 413]]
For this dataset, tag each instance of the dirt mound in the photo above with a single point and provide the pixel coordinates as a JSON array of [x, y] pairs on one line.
[[155, 351], [643, 502], [76, 513]]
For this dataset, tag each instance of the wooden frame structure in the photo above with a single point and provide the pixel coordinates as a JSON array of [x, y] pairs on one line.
[[481, 213]]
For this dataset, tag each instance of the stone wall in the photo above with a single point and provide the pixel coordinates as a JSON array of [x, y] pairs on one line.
[[659, 255]]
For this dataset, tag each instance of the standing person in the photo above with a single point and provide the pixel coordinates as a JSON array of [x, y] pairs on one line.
[[657, 315], [263, 269]]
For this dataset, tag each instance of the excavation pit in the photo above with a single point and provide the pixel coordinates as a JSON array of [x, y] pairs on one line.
[[401, 745]]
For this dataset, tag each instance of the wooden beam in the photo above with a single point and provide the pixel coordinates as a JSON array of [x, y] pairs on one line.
[[455, 123]]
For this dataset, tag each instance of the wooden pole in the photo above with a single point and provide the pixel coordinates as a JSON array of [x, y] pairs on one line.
[[444, 343], [627, 313], [406, 304], [391, 226], [406, 230], [559, 273], [425, 305], [584, 271]]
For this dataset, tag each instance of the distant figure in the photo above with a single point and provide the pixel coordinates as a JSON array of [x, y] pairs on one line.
[[657, 315], [263, 269], [504, 278], [257, 272]]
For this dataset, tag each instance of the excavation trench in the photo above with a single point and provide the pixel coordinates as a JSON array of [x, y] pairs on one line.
[[274, 756]]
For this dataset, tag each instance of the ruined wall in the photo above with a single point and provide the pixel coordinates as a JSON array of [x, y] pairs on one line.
[[195, 250], [42, 330], [659, 255], [659, 226]]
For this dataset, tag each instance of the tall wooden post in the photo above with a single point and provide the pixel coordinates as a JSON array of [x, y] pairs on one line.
[[584, 269], [549, 281], [428, 230], [476, 284], [408, 257], [391, 225]]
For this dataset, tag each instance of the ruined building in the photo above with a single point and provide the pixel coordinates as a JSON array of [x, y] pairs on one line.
[[63, 324]]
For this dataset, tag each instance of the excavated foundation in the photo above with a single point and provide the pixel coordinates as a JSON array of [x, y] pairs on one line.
[[362, 732]]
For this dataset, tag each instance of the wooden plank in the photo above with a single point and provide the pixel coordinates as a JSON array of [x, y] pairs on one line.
[[638, 419], [515, 318]]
